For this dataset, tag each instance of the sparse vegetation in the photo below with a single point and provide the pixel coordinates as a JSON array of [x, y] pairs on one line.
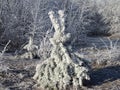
[[110, 53], [90, 31], [110, 11]]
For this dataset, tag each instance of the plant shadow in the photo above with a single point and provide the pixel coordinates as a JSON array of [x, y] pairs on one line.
[[104, 75]]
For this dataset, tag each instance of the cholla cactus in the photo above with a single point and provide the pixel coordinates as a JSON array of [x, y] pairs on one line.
[[31, 48], [63, 67]]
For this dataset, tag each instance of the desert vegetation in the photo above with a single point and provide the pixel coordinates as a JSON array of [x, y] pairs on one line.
[[59, 44]]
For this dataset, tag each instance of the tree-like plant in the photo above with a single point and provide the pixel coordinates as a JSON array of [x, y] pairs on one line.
[[63, 67]]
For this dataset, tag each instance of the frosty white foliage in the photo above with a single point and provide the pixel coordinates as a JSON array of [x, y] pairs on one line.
[[30, 46], [31, 49], [63, 67]]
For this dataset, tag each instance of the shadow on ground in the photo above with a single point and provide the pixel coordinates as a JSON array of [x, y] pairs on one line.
[[104, 75]]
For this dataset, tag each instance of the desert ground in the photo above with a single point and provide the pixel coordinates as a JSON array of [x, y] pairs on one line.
[[16, 74]]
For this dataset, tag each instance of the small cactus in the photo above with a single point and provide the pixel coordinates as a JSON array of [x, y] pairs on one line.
[[31, 49]]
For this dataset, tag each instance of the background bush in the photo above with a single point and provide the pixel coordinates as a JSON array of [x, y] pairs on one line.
[[109, 9], [83, 17], [20, 17]]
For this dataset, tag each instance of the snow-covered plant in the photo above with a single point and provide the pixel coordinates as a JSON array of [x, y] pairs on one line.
[[20, 17], [63, 67], [15, 22], [74, 18], [31, 48], [45, 46], [109, 9], [4, 49], [112, 49], [109, 54]]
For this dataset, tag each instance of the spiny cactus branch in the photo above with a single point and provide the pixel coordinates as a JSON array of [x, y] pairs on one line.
[[63, 67]]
